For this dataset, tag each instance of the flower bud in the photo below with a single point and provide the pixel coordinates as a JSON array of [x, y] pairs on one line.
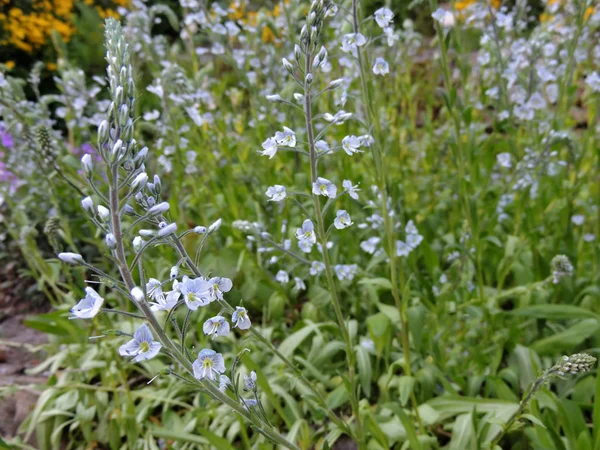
[[297, 52], [123, 113], [147, 233], [137, 294], [174, 272], [110, 240], [102, 133], [86, 163], [103, 212], [116, 150], [138, 243], [139, 182], [87, 204], [274, 98], [157, 184], [159, 209], [308, 78], [199, 229], [288, 65], [167, 230], [215, 226], [128, 209], [71, 258]]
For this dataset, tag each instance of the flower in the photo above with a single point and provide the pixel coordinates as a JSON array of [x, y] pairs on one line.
[[381, 67], [142, 346], [413, 239], [561, 267], [217, 286], [269, 148], [351, 145], [276, 193], [250, 381], [370, 245], [216, 326], [224, 382], [593, 81], [351, 41], [351, 190], [504, 160], [324, 187], [444, 18], [342, 219], [307, 232], [316, 268], [87, 307], [195, 292], [299, 284], [383, 17], [240, 318], [209, 364], [282, 277], [286, 138], [346, 271]]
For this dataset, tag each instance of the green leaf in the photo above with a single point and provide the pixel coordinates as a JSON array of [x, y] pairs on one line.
[[290, 343], [382, 283], [462, 432], [555, 312], [409, 426], [568, 339], [365, 371], [451, 406]]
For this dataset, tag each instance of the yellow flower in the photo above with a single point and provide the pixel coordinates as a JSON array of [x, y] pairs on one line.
[[588, 13], [51, 66], [10, 65]]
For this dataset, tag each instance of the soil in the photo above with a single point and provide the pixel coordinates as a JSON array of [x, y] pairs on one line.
[[18, 300]]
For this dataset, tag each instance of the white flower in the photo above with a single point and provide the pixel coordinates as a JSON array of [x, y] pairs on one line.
[[276, 193], [383, 17], [324, 187], [578, 219], [351, 145], [269, 148], [87, 307], [142, 346], [209, 364], [216, 326], [381, 67], [350, 189], [342, 220], [346, 271], [285, 138], [240, 318], [282, 277]]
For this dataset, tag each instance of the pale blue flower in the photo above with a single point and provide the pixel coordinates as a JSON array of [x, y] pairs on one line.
[[87, 307], [209, 364], [324, 187], [383, 17], [381, 67], [316, 268], [346, 271], [224, 383], [350, 189], [285, 138], [250, 381], [240, 318], [276, 193], [342, 219], [351, 41], [142, 346], [218, 286], [282, 277], [306, 234], [269, 148], [370, 245], [216, 326], [351, 145], [195, 292]]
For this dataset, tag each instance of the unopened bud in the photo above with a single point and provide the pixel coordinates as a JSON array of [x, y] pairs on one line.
[[87, 165], [215, 226], [137, 294], [199, 229], [275, 98], [110, 240], [71, 258], [167, 230], [87, 204], [138, 243], [159, 209]]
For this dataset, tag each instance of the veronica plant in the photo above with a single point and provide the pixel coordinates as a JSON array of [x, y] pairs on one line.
[[124, 199]]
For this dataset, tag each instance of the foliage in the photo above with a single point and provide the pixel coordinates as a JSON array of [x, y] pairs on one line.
[[469, 267]]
